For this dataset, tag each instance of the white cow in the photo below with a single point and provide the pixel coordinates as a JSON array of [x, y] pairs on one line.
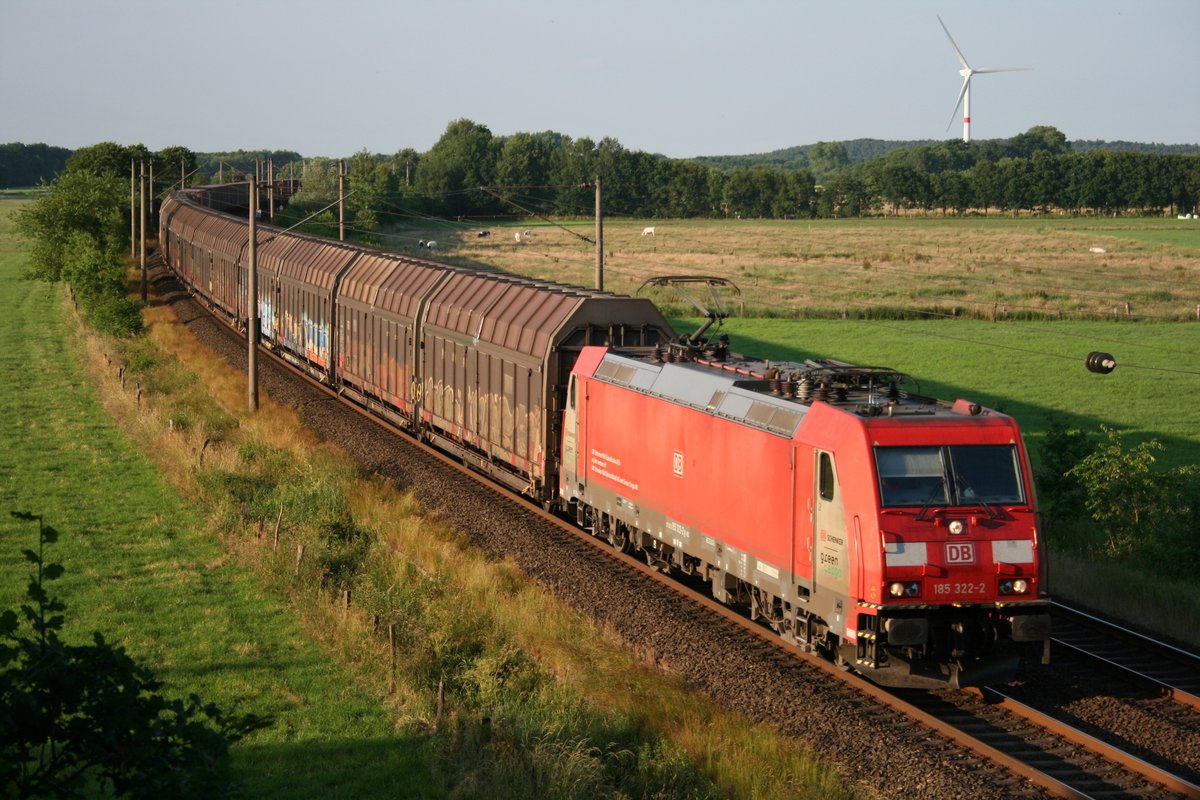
[[648, 231], [431, 245], [517, 236]]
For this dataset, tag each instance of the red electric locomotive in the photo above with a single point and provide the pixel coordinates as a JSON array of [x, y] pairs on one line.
[[894, 532]]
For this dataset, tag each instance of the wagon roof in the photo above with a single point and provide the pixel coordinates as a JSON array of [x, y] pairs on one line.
[[390, 283], [528, 316], [313, 261]]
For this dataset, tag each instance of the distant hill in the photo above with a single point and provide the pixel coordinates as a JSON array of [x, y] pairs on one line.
[[860, 150], [798, 157]]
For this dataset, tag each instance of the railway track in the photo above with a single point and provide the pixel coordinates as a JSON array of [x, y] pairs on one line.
[[997, 747], [1171, 670]]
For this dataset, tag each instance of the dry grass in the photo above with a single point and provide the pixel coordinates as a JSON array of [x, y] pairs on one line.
[[990, 268]]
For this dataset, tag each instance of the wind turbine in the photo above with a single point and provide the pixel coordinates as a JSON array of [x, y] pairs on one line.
[[964, 94]]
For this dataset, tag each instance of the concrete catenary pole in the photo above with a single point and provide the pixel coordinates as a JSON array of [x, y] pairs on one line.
[[132, 208], [142, 251], [599, 241], [252, 304], [342, 200]]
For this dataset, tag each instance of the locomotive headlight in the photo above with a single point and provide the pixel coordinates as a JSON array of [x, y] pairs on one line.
[[1006, 587], [1020, 586], [956, 527], [896, 589], [907, 589], [912, 589]]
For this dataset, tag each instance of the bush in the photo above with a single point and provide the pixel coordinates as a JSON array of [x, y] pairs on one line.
[[1139, 512], [75, 720]]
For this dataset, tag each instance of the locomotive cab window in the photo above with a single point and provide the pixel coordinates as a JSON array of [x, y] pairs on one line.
[[949, 475], [826, 479]]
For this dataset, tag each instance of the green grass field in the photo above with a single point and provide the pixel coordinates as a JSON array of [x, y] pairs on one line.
[[1031, 370], [142, 568]]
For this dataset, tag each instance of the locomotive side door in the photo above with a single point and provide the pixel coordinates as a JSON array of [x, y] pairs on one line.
[[569, 475], [831, 574]]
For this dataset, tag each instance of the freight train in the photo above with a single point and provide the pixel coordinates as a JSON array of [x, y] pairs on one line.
[[897, 534]]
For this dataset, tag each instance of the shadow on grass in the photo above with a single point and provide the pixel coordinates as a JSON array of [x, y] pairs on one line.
[[396, 766]]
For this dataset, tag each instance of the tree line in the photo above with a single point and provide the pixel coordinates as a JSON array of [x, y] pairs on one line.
[[469, 172]]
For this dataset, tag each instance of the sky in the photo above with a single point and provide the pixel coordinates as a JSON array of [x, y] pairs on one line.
[[681, 77]]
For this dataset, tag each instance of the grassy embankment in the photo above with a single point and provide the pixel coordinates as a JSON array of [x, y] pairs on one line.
[[183, 571]]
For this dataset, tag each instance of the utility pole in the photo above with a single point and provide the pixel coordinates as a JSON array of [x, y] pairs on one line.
[[150, 191], [342, 200], [132, 209], [271, 189], [252, 305], [220, 171], [599, 241], [142, 256], [182, 174]]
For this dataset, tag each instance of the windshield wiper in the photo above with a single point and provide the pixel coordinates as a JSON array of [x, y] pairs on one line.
[[940, 486], [963, 487]]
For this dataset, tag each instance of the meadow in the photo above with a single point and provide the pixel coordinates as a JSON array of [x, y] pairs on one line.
[[1002, 311]]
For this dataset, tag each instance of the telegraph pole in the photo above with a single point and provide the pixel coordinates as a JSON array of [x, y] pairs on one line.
[[252, 305], [142, 255], [599, 241], [342, 200]]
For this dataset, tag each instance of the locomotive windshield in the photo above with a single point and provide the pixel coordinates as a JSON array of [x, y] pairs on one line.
[[953, 475]]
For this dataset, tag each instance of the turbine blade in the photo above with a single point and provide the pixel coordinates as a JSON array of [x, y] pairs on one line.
[[1003, 69], [961, 94], [961, 58]]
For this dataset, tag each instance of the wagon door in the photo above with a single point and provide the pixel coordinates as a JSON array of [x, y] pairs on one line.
[[830, 556]]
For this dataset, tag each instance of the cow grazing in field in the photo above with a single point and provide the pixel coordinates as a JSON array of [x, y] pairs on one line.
[[484, 234], [517, 236], [431, 245], [648, 231], [528, 232], [1097, 250]]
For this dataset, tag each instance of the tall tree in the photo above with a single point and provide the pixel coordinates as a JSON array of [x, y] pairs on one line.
[[460, 162]]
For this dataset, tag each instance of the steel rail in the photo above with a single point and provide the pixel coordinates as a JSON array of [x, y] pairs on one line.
[[1109, 752], [1187, 661]]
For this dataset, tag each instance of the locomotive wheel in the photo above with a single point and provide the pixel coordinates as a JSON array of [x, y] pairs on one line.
[[618, 536]]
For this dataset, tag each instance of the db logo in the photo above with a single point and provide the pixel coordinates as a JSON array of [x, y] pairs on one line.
[[678, 463], [960, 552]]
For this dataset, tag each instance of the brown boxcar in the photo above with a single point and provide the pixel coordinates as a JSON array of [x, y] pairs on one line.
[[378, 311], [298, 276], [496, 353], [475, 361]]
